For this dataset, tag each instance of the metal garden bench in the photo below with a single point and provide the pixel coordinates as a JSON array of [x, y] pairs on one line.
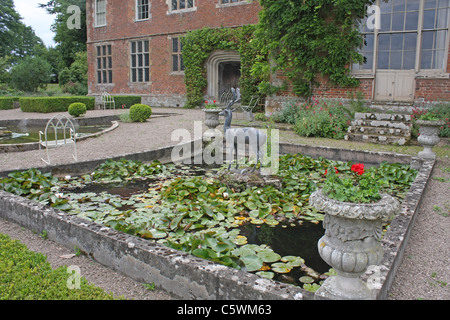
[[64, 134]]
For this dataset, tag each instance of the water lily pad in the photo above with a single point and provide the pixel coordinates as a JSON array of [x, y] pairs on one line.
[[306, 279], [268, 256], [256, 221], [266, 274], [240, 240], [281, 267], [252, 262], [294, 261]]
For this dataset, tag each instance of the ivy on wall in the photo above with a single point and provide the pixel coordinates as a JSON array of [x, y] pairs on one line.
[[199, 44], [306, 38]]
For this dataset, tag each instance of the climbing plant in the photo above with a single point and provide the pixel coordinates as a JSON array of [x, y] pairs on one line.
[[307, 38], [199, 44]]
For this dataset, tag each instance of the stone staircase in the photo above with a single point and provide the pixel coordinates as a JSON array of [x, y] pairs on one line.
[[382, 127]]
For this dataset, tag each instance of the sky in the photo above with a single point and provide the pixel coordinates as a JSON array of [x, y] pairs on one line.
[[36, 18]]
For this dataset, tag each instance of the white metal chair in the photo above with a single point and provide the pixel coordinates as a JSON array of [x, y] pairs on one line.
[[65, 134], [252, 104], [108, 100]]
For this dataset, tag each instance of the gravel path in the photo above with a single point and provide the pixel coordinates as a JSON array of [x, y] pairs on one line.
[[423, 274]]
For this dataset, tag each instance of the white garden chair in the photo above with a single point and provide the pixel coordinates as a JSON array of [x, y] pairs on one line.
[[108, 100], [65, 134]]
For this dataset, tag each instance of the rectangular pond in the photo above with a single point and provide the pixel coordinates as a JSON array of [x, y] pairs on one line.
[[191, 277]]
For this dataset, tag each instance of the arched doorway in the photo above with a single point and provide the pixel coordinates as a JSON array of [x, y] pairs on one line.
[[223, 72]]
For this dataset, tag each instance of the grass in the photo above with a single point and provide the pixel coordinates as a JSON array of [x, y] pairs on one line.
[[26, 275]]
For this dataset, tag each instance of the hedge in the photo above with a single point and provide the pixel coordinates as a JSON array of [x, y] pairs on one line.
[[7, 102], [54, 104], [128, 101]]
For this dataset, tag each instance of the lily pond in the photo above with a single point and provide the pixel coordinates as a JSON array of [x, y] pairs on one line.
[[267, 229]]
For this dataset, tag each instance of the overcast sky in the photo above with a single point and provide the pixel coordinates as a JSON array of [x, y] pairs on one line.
[[36, 18]]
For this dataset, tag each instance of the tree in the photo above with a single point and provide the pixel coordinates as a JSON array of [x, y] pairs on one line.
[[17, 40], [69, 41], [74, 79], [31, 74]]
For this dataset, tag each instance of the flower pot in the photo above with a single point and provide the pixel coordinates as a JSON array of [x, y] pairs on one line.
[[350, 244], [211, 121], [428, 137]]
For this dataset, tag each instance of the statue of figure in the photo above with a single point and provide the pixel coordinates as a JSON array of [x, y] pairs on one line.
[[235, 137]]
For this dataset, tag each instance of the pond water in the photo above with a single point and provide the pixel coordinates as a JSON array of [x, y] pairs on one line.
[[31, 134]]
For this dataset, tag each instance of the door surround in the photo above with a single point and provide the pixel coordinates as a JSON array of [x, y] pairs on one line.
[[212, 69]]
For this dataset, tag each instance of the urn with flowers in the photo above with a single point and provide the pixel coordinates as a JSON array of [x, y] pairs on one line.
[[354, 214]]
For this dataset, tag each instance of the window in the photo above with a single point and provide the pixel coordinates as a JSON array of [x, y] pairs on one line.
[[140, 61], [104, 64], [182, 4], [177, 57], [231, 1], [100, 13], [434, 35], [413, 35], [142, 10]]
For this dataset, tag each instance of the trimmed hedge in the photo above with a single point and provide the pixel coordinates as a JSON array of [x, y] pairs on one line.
[[27, 275], [140, 112], [53, 104], [7, 103], [128, 101]]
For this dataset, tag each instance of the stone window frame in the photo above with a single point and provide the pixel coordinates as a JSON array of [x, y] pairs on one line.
[[103, 14], [173, 11], [221, 4], [138, 6], [136, 67], [178, 53], [103, 64]]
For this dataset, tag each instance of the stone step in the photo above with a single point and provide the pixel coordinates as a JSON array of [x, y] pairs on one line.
[[381, 131], [381, 139], [383, 116], [392, 107]]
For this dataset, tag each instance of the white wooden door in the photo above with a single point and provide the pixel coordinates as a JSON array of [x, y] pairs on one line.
[[394, 85]]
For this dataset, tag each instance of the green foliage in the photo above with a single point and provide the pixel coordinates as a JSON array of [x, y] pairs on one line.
[[317, 119], [74, 79], [7, 102], [311, 37], [439, 111], [120, 170], [197, 47], [77, 109], [26, 275], [140, 112], [125, 102], [53, 104], [31, 74], [34, 185]]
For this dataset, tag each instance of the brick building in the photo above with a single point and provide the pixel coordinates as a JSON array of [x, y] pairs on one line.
[[134, 48]]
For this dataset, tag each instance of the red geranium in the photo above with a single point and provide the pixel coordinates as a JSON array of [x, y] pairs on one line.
[[326, 171], [358, 168]]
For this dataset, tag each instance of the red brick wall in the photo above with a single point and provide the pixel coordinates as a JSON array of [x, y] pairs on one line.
[[121, 28]]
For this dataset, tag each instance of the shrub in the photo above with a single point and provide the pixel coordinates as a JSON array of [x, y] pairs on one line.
[[316, 119], [31, 74], [7, 102], [440, 111], [76, 109], [126, 101], [140, 112], [27, 275], [53, 104]]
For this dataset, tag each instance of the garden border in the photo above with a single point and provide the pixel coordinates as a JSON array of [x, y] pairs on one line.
[[189, 277]]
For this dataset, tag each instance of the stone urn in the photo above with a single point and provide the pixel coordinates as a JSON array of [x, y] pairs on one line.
[[211, 121], [428, 137], [351, 243]]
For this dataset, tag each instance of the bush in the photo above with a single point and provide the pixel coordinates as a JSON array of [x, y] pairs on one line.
[[53, 104], [440, 111], [7, 102], [126, 101], [31, 74], [26, 275], [140, 112], [317, 119], [76, 109]]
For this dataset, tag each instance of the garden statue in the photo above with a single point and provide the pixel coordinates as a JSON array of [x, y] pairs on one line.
[[236, 137]]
